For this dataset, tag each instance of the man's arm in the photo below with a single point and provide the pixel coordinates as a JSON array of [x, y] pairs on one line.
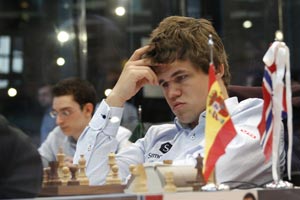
[[50, 146], [99, 138]]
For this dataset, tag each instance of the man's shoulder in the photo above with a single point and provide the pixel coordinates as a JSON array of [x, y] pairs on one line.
[[56, 133], [248, 112], [250, 104], [158, 130]]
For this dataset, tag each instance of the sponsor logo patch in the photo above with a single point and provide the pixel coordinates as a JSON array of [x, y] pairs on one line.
[[164, 148], [154, 155]]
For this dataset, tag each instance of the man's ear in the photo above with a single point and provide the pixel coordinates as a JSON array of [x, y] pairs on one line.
[[88, 108], [220, 71]]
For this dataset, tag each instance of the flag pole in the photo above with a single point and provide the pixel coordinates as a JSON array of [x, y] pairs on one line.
[[214, 128], [278, 55], [211, 49], [212, 178]]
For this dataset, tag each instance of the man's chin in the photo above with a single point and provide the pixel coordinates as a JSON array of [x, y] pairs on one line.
[[66, 132], [183, 121]]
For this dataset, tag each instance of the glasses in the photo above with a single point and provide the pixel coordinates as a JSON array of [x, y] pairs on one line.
[[62, 114]]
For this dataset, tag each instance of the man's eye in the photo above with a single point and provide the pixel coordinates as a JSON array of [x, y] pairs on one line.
[[181, 78], [165, 85], [66, 113]]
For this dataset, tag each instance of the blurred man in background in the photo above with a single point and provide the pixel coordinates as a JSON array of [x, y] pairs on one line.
[[45, 100]]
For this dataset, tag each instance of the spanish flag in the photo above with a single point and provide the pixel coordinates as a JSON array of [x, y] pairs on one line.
[[219, 129]]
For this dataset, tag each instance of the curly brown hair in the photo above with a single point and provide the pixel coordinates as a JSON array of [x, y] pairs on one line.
[[186, 38], [82, 91]]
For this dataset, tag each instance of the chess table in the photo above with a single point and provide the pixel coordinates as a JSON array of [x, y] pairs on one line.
[[80, 190], [260, 194]]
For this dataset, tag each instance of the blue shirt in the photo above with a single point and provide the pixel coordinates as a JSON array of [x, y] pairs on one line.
[[47, 125]]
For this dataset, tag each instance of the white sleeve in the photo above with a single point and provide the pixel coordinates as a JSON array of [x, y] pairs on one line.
[[50, 146], [122, 137], [98, 140]]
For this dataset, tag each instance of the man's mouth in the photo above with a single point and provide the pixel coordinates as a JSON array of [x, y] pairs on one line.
[[177, 106]]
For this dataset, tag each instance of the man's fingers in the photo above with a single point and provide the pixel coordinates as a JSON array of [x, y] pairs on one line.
[[137, 55], [144, 72]]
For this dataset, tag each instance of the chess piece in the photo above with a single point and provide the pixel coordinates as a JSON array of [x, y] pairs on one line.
[[111, 163], [115, 176], [73, 181], [132, 176], [199, 180], [199, 167], [65, 175], [60, 156], [81, 174], [169, 182], [167, 162], [140, 180], [46, 176], [54, 179]]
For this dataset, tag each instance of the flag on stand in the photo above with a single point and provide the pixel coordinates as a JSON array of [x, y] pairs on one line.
[[277, 104], [219, 129]]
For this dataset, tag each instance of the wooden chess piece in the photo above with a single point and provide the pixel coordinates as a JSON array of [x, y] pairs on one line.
[[132, 176], [60, 157], [81, 174], [115, 180], [46, 176], [65, 175], [169, 182], [111, 162], [199, 167], [140, 181], [199, 180], [73, 181], [54, 179], [167, 162]]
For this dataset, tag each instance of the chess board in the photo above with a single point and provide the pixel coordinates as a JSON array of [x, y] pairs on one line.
[[80, 190]]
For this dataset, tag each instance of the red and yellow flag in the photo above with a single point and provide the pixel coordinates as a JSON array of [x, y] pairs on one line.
[[219, 129]]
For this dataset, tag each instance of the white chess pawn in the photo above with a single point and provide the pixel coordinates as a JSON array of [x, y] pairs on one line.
[[111, 163], [140, 180], [65, 175], [169, 182], [82, 175], [115, 176]]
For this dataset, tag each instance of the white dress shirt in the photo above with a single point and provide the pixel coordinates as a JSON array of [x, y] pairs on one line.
[[242, 162]]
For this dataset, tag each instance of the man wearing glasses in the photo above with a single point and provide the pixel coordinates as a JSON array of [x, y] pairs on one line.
[[73, 106]]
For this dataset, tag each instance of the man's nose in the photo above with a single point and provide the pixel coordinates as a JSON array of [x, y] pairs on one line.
[[59, 120], [174, 91]]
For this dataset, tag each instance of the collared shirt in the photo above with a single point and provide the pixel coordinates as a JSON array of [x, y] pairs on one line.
[[56, 139], [243, 160]]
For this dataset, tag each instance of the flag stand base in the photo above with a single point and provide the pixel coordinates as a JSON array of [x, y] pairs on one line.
[[279, 185]]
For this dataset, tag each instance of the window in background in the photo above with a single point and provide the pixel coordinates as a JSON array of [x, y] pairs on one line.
[[4, 54]]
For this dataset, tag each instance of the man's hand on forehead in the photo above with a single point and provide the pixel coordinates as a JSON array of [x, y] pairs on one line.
[[135, 74], [139, 53], [158, 67]]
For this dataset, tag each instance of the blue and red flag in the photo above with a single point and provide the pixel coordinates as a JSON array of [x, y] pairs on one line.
[[276, 88]]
